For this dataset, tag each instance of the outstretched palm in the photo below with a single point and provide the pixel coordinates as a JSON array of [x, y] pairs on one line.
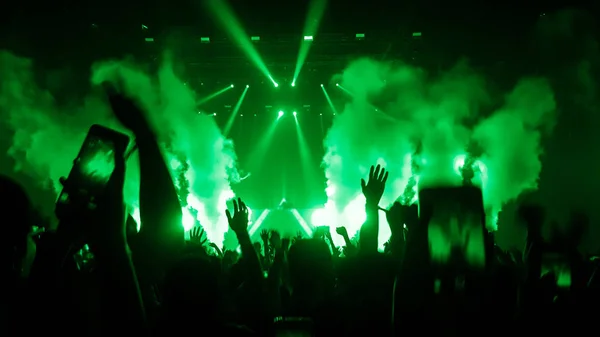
[[238, 222], [197, 235], [374, 187], [264, 235]]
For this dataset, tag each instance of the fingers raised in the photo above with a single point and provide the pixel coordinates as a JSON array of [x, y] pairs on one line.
[[384, 177], [236, 208], [377, 170], [242, 206]]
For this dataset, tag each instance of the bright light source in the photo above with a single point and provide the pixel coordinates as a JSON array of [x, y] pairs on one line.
[[308, 38], [337, 84], [320, 114], [293, 84], [149, 39], [276, 84], [205, 40], [232, 85], [255, 38], [417, 34], [280, 114], [247, 86], [294, 113], [214, 114], [322, 217], [321, 85]]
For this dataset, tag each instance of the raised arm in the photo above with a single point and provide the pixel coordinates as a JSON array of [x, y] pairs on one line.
[[372, 189], [161, 235]]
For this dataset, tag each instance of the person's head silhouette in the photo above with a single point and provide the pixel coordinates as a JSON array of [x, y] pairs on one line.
[[15, 241]]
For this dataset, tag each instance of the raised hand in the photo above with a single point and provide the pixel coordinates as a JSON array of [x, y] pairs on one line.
[[126, 110], [264, 235], [238, 222], [374, 187], [342, 231], [198, 235]]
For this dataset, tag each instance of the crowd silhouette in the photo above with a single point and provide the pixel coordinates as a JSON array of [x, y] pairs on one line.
[[97, 275]]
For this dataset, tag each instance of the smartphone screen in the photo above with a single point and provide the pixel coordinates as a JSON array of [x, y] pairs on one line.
[[455, 225], [293, 327], [95, 162], [560, 266]]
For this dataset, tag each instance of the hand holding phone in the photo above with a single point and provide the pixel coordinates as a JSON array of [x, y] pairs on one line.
[[92, 168]]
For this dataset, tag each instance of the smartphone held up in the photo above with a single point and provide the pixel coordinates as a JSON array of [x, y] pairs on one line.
[[93, 167], [455, 221]]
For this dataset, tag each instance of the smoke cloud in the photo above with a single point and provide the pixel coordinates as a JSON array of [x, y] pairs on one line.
[[47, 136], [399, 116], [511, 139], [171, 106]]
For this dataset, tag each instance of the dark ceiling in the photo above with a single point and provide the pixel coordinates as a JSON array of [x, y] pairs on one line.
[[282, 16], [488, 32], [43, 27]]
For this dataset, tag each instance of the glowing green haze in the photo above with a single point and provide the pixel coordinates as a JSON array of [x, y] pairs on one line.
[[47, 135], [397, 115]]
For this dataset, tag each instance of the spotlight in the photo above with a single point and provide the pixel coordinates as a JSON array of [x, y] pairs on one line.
[[214, 114], [294, 113], [321, 85], [337, 84], [280, 113], [232, 85], [276, 84], [293, 84], [247, 86]]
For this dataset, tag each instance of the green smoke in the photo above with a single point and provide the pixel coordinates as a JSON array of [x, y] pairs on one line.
[[172, 109], [398, 115], [47, 136], [511, 137]]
